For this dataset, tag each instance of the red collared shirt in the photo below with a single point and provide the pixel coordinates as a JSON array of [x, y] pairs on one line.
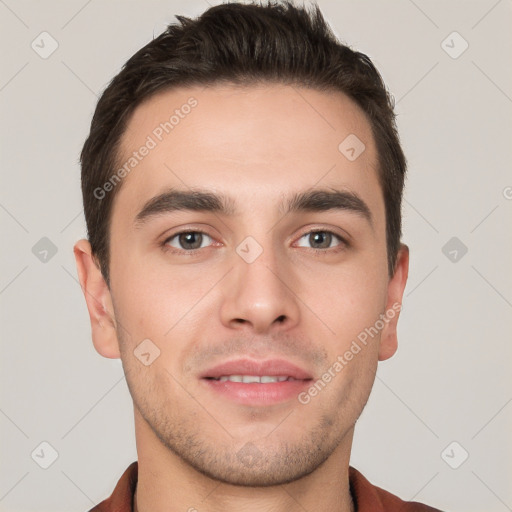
[[367, 497]]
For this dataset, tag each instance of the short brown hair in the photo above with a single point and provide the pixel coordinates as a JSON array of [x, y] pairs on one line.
[[240, 44]]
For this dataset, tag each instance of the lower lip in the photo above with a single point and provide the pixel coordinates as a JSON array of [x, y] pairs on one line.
[[256, 393]]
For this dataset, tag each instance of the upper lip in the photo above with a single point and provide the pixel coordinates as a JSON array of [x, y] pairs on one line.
[[270, 367]]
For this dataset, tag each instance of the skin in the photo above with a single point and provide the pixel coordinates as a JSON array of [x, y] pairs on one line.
[[257, 144]]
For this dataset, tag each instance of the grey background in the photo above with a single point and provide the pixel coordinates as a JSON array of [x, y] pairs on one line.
[[450, 380]]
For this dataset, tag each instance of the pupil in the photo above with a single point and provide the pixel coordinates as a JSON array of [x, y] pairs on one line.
[[321, 238], [187, 240]]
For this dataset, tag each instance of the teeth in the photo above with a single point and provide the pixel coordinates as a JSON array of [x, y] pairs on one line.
[[252, 379], [234, 378], [249, 379], [265, 378]]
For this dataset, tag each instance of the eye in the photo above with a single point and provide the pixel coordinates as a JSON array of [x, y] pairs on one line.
[[189, 240], [321, 240]]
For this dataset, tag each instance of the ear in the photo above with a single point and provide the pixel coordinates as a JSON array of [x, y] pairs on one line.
[[396, 286], [98, 299]]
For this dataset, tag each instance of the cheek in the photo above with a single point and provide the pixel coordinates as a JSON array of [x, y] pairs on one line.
[[347, 300], [155, 301]]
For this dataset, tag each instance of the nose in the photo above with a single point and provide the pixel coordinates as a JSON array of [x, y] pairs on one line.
[[258, 296]]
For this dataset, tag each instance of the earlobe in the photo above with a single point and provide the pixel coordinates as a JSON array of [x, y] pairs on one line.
[[396, 287], [98, 300]]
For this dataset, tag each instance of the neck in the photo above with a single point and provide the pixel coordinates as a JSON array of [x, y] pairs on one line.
[[167, 483]]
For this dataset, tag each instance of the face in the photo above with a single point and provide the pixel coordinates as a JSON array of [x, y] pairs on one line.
[[264, 299]]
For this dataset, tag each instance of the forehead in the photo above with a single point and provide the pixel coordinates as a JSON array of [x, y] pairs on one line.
[[253, 143]]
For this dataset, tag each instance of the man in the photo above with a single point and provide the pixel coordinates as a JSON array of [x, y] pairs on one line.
[[242, 185]]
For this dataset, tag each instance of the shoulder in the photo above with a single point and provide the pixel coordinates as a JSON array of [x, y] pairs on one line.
[[121, 499], [370, 498]]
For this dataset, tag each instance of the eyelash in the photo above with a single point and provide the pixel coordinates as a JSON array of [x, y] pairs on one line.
[[343, 244]]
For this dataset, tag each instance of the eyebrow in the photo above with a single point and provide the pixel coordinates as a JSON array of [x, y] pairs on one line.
[[316, 200]]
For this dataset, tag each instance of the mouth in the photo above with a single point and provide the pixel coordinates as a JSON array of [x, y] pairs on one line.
[[253, 379], [257, 383]]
